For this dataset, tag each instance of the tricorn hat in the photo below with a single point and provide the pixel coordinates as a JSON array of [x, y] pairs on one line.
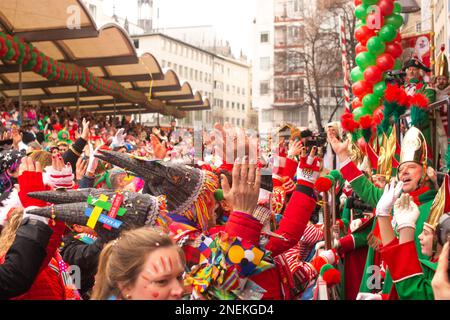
[[416, 63]]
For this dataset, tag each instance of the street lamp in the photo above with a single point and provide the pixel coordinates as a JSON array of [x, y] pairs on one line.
[[409, 6]]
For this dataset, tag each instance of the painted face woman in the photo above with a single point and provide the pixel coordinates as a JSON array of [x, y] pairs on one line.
[[142, 264]]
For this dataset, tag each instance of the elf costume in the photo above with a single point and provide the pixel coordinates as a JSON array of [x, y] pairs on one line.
[[414, 148]]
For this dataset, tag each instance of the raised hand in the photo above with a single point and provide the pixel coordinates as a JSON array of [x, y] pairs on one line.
[[59, 175], [295, 148], [159, 149], [27, 164], [406, 212], [309, 167], [81, 168], [339, 147], [85, 133], [387, 201], [243, 195]]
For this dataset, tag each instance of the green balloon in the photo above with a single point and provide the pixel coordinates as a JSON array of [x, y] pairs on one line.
[[398, 65], [371, 102], [365, 59], [397, 8], [376, 46], [360, 112], [361, 12], [388, 33], [379, 89], [11, 53], [395, 20], [357, 74], [369, 2]]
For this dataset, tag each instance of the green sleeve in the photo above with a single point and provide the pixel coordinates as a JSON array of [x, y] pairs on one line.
[[361, 238], [346, 215], [417, 287], [367, 191]]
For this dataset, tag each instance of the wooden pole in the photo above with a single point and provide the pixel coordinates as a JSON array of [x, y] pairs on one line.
[[326, 221]]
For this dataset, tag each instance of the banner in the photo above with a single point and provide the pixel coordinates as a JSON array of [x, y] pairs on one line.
[[417, 46]]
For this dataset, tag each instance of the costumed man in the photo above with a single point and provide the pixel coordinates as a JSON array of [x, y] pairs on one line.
[[411, 274], [415, 84], [412, 174]]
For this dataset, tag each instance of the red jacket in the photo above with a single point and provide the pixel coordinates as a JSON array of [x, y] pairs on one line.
[[48, 284], [276, 281]]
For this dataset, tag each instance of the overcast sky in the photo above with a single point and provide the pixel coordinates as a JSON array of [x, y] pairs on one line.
[[232, 19]]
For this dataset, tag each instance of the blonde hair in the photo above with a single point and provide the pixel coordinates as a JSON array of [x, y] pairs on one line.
[[43, 157], [122, 260], [8, 234]]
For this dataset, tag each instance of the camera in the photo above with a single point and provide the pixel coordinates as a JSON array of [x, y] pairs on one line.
[[356, 203], [395, 77]]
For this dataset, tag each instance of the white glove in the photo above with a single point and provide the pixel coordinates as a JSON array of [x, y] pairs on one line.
[[329, 255], [368, 296], [406, 212], [32, 216], [355, 224], [93, 161], [390, 195], [119, 138], [342, 199], [321, 245], [309, 169]]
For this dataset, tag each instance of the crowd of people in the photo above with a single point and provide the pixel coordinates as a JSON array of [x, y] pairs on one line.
[[142, 218]]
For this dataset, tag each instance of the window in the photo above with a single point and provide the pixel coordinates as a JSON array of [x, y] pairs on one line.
[[238, 122], [297, 5], [163, 63], [238, 105], [243, 106], [418, 27], [228, 104], [228, 88], [201, 75], [196, 75], [264, 37], [265, 63], [238, 90], [232, 106], [186, 72], [175, 67], [243, 91], [304, 117], [264, 88], [136, 43], [234, 89], [191, 73], [169, 64]]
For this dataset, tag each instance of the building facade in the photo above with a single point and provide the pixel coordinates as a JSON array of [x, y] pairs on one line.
[[279, 77], [224, 81]]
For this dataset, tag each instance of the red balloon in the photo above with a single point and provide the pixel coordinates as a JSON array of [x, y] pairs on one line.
[[373, 74], [398, 38], [394, 49], [385, 62], [361, 88], [363, 34], [386, 7], [360, 48], [358, 2], [356, 103], [374, 21]]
